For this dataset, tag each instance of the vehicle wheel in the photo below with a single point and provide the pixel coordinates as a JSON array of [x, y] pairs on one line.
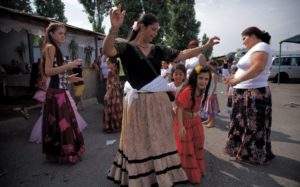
[[284, 77]]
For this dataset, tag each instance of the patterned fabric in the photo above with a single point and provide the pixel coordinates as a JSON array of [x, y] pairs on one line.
[[113, 103], [191, 146], [147, 153], [36, 132], [61, 136], [249, 137]]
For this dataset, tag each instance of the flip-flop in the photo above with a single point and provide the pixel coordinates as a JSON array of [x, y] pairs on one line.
[[25, 114]]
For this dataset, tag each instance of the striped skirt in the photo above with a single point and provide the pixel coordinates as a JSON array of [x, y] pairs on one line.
[[147, 152], [249, 137]]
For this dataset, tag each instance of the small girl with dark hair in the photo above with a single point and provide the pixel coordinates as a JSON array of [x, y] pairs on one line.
[[178, 77], [188, 126]]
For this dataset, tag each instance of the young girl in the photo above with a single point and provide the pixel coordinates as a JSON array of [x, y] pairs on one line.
[[178, 76], [113, 99], [188, 126], [211, 107], [62, 139]]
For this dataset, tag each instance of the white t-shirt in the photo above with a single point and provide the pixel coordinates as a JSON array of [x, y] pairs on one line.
[[190, 64], [244, 64]]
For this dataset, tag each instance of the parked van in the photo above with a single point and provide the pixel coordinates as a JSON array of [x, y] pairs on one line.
[[289, 68]]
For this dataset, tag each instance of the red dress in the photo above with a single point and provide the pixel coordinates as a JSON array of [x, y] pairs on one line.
[[191, 146]]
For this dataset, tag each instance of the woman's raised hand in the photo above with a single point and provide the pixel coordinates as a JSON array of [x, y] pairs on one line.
[[116, 15], [212, 41]]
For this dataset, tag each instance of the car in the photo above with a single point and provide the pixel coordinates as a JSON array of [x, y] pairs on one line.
[[289, 68]]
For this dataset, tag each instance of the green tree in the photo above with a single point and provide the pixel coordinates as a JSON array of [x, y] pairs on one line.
[[134, 9], [161, 10], [54, 9], [21, 5], [96, 10], [183, 25], [207, 53]]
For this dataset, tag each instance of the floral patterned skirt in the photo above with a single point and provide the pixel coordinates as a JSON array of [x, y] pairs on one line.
[[147, 152], [61, 137], [113, 108], [249, 137]]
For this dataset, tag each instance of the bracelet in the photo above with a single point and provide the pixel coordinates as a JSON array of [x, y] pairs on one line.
[[113, 32]]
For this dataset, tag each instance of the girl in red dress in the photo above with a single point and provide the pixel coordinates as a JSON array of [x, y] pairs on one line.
[[188, 126]]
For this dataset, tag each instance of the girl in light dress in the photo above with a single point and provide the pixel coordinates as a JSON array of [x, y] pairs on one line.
[[211, 108]]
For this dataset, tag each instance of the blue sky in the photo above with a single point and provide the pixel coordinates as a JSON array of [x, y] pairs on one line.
[[227, 19]]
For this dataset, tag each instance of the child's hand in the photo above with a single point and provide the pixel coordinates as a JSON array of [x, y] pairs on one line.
[[181, 131]]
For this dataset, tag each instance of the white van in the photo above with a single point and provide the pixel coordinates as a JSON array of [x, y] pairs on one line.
[[289, 68]]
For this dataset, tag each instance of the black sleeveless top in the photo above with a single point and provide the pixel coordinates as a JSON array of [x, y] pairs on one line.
[[136, 69]]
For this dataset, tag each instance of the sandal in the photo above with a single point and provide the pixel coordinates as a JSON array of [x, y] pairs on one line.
[[25, 113]]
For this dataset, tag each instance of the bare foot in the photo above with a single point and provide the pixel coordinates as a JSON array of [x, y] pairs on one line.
[[210, 125]]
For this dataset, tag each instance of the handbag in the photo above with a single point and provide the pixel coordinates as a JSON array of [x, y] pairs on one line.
[[169, 93]]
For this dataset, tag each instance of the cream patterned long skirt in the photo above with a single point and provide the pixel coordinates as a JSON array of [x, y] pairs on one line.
[[147, 152]]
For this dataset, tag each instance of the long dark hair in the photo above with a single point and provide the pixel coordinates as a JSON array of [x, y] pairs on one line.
[[146, 20], [49, 40], [192, 82], [263, 35]]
